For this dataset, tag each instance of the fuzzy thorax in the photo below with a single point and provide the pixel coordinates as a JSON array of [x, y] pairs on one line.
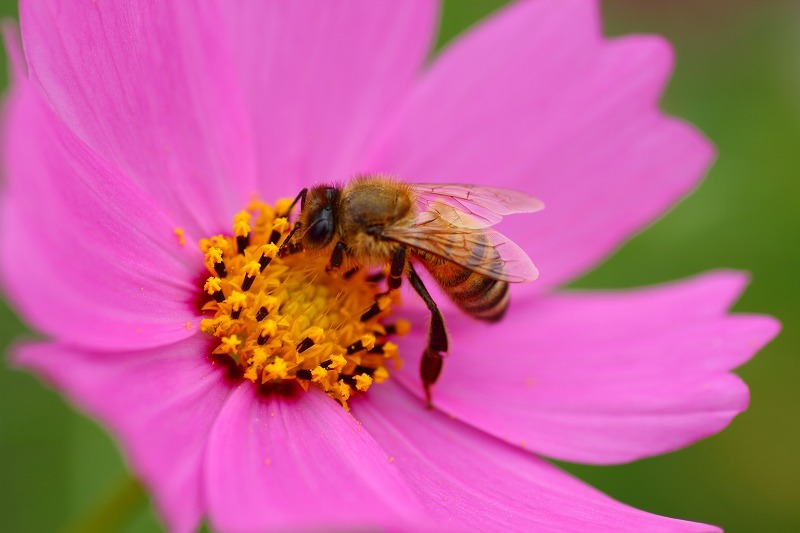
[[285, 318]]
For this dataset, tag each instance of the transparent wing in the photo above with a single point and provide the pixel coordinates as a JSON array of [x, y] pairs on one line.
[[485, 251], [469, 206]]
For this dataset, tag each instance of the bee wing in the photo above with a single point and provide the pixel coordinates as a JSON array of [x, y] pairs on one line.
[[470, 206], [485, 251]]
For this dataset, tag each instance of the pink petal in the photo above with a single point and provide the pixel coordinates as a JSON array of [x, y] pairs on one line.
[[150, 86], [602, 377], [159, 403], [299, 463], [319, 76], [470, 481], [86, 256], [535, 99]]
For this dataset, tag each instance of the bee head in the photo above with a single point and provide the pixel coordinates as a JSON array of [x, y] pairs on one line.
[[317, 215]]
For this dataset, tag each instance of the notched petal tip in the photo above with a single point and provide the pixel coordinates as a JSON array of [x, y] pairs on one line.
[[653, 50]]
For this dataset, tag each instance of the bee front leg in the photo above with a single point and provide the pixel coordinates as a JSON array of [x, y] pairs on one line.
[[397, 269], [337, 257], [286, 242], [299, 198], [393, 282], [431, 364]]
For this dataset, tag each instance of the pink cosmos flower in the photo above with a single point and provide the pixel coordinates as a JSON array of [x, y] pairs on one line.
[[128, 120]]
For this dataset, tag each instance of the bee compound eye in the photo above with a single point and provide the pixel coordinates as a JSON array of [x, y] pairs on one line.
[[320, 232]]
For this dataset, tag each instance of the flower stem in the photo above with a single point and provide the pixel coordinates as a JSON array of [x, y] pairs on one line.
[[113, 509]]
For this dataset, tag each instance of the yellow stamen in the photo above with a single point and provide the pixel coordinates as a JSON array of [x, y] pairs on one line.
[[268, 328], [368, 341], [318, 374], [380, 375], [237, 300], [341, 391], [363, 381], [278, 369], [402, 327], [241, 224], [337, 362], [229, 344], [280, 224], [384, 302], [282, 205], [286, 318], [269, 250], [213, 284]]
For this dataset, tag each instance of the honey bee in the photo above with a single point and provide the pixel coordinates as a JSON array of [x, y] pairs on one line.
[[376, 220]]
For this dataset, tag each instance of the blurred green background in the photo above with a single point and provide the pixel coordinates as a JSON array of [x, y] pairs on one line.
[[738, 80]]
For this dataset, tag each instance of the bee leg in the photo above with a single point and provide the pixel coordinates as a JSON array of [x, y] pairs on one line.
[[300, 198], [431, 365], [284, 246], [396, 270], [352, 272], [337, 257], [393, 282]]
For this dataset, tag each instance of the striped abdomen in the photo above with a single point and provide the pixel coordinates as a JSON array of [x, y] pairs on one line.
[[478, 296]]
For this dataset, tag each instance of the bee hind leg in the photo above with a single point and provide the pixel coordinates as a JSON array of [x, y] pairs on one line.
[[432, 361]]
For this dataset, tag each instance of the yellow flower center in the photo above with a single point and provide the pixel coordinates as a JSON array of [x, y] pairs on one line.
[[285, 317]]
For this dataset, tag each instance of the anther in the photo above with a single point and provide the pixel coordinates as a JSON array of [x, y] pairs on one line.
[[214, 288], [318, 374], [214, 258], [380, 304], [242, 242], [278, 227], [304, 345], [366, 342], [229, 344], [372, 312], [338, 362], [264, 262], [401, 327], [238, 301], [250, 270], [350, 273], [261, 314], [348, 379], [267, 255], [241, 227], [304, 374], [364, 370], [283, 207], [277, 369], [375, 277], [266, 330], [363, 382]]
